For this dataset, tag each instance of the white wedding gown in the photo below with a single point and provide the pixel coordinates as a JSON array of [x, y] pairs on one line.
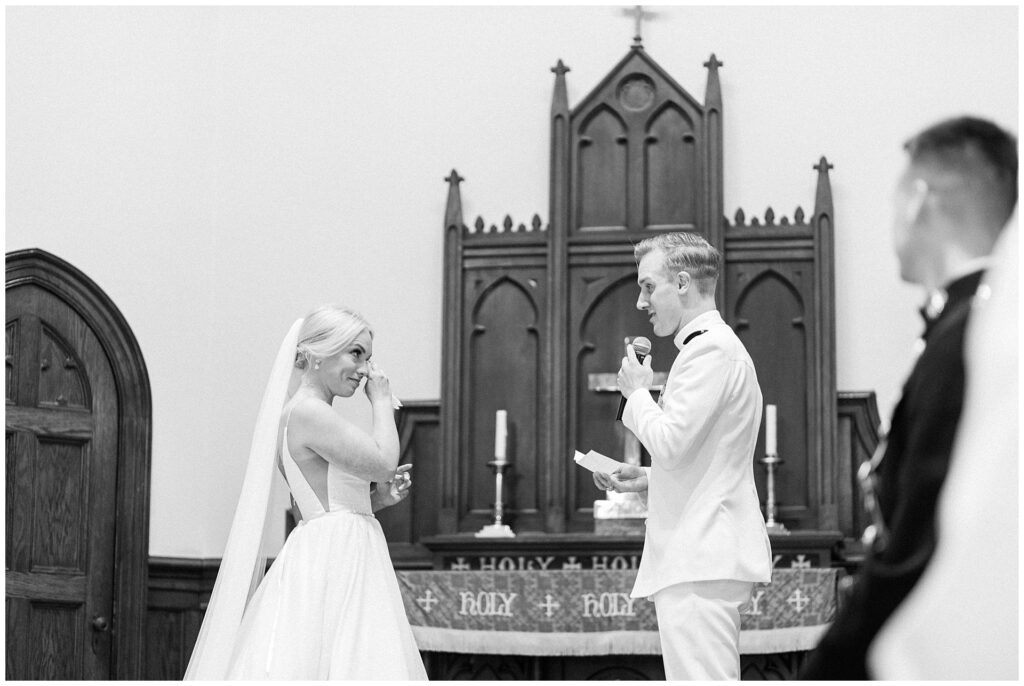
[[330, 606]]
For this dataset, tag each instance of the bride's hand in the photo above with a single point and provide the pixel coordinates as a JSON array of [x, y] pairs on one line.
[[395, 491], [378, 387]]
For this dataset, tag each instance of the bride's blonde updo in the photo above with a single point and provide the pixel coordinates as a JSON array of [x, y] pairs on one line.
[[326, 331]]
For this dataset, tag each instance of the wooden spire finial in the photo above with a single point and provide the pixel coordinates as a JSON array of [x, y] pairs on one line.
[[453, 208], [823, 193]]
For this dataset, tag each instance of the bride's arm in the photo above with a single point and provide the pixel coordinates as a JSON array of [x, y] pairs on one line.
[[316, 426]]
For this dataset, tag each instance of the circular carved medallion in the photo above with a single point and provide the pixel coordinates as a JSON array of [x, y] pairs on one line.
[[636, 92]]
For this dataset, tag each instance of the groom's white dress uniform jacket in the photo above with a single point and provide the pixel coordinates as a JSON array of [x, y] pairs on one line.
[[704, 518]]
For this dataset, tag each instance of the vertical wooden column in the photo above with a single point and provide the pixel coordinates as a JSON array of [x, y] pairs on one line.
[[825, 367], [714, 208], [558, 306], [451, 362]]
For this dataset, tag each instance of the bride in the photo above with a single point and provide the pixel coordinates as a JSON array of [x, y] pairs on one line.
[[330, 606]]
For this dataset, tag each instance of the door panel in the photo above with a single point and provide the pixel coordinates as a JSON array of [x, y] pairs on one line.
[[61, 428]]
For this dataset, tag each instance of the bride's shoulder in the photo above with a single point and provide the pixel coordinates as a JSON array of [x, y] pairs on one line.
[[306, 411]]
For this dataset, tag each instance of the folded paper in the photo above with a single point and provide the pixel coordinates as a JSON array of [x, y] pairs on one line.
[[596, 462]]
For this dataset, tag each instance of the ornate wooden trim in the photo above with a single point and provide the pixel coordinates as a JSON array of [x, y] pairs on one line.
[[859, 432], [606, 99], [637, 156], [635, 52], [412, 414], [825, 364], [861, 407], [556, 346], [406, 552], [179, 590], [451, 356], [131, 547], [798, 254], [713, 136]]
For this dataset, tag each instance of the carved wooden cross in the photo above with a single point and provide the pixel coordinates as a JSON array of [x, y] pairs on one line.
[[639, 14]]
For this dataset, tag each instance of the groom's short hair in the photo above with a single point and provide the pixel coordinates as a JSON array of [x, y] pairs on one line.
[[685, 252]]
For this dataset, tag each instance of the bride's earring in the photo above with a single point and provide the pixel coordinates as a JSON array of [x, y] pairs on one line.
[[316, 365]]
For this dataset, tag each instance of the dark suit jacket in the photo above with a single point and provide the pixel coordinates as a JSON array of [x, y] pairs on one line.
[[910, 477]]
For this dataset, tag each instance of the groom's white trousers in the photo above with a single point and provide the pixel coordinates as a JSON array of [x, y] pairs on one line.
[[699, 626]]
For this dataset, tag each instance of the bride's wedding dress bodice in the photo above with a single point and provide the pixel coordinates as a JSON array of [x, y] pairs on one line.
[[345, 493]]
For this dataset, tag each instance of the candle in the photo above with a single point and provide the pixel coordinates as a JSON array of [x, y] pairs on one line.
[[769, 430], [500, 434]]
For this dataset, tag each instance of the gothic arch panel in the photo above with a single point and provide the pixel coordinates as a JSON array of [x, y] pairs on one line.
[[504, 369], [63, 380], [772, 322], [602, 152], [599, 351], [672, 169]]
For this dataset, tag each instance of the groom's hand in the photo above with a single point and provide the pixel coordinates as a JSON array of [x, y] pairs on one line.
[[626, 479], [632, 374]]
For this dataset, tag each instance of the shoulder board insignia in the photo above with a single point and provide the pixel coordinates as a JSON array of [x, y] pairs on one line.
[[693, 335]]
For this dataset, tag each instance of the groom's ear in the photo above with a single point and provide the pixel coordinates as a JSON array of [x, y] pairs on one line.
[[683, 282]]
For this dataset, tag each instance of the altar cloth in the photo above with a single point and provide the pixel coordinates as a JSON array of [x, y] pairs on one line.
[[589, 612]]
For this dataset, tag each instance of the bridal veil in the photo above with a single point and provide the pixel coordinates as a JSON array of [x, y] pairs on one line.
[[243, 564]]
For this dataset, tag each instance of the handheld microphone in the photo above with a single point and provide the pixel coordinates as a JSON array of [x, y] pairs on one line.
[[642, 347]]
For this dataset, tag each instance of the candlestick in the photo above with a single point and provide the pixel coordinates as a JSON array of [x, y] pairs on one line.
[[771, 462], [497, 529], [500, 434], [769, 428]]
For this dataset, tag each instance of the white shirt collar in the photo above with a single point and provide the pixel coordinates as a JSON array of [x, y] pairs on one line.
[[701, 321]]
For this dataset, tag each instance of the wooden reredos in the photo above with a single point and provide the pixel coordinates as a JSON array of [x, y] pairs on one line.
[[535, 314]]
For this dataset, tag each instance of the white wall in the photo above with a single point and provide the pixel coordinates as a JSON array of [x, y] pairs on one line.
[[218, 171]]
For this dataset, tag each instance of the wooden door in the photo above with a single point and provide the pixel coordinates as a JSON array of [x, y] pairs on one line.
[[62, 459]]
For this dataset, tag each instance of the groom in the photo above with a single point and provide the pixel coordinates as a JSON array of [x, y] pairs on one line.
[[706, 543]]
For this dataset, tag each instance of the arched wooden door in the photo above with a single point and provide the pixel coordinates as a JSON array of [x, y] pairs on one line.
[[77, 477]]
